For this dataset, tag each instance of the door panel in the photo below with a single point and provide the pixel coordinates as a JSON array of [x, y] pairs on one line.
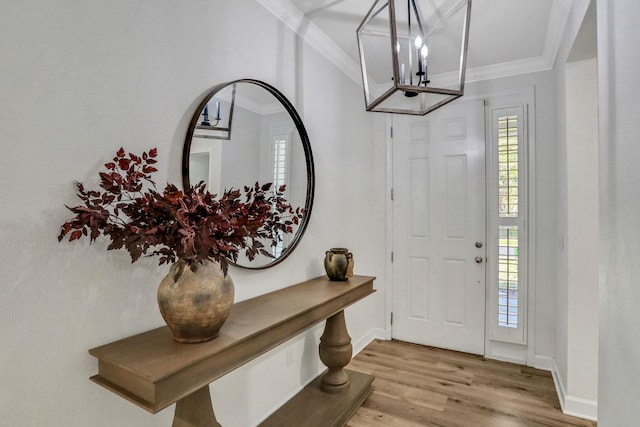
[[438, 216]]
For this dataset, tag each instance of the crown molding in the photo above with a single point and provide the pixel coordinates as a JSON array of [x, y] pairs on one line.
[[507, 69], [291, 16]]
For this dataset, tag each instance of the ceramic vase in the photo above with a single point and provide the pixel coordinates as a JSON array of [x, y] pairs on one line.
[[338, 263], [195, 304]]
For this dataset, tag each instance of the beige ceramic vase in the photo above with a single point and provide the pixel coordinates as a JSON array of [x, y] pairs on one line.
[[195, 304]]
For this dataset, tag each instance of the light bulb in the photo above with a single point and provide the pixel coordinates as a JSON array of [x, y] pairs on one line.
[[424, 51], [418, 42]]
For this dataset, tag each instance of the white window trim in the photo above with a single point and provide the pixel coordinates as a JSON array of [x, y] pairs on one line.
[[524, 350]]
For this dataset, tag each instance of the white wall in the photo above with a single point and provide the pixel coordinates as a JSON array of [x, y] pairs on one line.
[[242, 157], [619, 356], [576, 367], [82, 78], [582, 240], [561, 278]]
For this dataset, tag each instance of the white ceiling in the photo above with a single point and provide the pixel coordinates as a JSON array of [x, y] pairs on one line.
[[506, 37]]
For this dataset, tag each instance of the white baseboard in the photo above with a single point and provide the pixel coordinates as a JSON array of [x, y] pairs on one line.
[[375, 333], [583, 408], [571, 405], [506, 358]]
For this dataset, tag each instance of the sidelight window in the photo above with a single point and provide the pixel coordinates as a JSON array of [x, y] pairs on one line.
[[507, 269], [508, 204]]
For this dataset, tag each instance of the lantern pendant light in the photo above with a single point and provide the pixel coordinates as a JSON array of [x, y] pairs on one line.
[[413, 54]]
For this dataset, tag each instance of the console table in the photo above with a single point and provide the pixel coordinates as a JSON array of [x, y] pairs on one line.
[[154, 371]]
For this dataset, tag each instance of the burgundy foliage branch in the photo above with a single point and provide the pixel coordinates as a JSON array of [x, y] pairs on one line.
[[191, 225]]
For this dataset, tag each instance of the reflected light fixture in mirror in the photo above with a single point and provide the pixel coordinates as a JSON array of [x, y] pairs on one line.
[[269, 143], [215, 123], [413, 54]]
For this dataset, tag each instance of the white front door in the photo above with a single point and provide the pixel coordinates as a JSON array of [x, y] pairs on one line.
[[439, 227]]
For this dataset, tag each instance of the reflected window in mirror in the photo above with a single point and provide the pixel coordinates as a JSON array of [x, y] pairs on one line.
[[280, 177], [280, 159]]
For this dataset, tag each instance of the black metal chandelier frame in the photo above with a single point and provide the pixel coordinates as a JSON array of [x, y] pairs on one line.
[[423, 82]]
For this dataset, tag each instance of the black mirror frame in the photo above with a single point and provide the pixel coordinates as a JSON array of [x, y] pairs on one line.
[[304, 137]]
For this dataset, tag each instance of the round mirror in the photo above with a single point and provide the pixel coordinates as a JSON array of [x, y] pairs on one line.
[[243, 132]]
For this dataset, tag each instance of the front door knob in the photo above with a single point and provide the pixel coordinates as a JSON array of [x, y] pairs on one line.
[[478, 259]]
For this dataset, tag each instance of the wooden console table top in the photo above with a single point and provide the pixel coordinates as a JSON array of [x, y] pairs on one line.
[[153, 371]]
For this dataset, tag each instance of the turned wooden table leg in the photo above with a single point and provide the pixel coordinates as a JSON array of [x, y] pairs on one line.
[[195, 410], [335, 353]]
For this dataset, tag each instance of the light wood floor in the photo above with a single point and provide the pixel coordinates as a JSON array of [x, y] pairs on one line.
[[426, 386]]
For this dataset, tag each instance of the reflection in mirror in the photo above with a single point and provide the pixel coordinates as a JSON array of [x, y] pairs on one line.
[[268, 144], [216, 116]]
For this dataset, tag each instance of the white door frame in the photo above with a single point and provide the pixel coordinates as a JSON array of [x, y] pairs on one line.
[[528, 95]]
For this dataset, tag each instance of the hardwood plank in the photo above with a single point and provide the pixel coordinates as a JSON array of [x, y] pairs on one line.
[[425, 386], [414, 396], [366, 417], [420, 368]]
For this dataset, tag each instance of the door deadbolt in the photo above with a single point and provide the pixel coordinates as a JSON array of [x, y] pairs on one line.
[[478, 259], [479, 244]]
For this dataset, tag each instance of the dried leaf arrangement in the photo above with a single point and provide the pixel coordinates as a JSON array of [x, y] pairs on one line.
[[191, 225]]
